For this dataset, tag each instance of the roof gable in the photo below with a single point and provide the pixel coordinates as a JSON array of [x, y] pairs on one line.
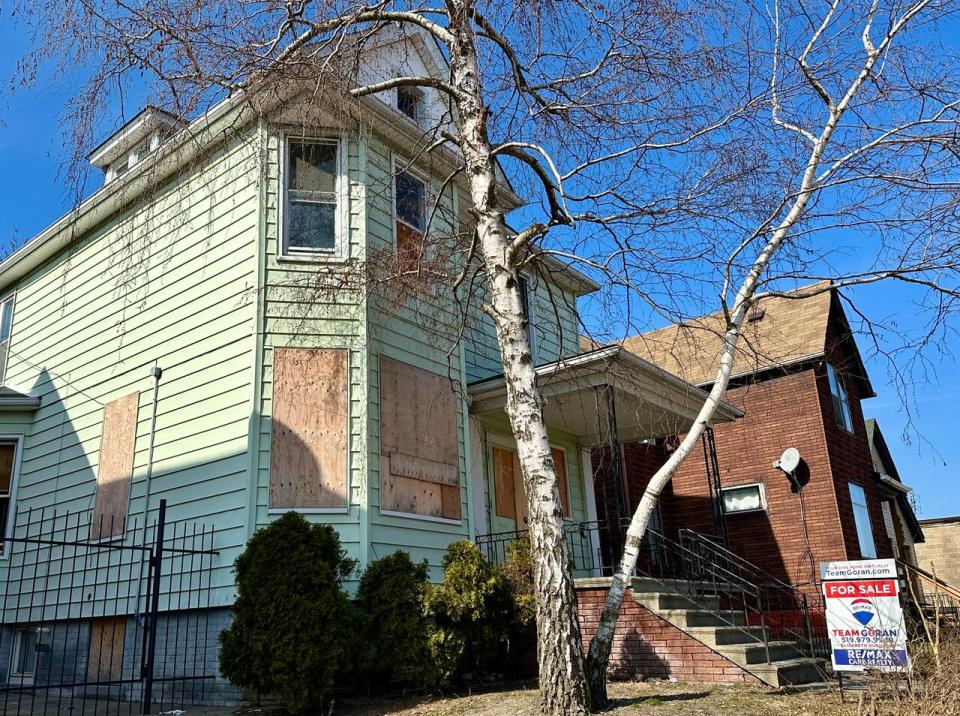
[[778, 332]]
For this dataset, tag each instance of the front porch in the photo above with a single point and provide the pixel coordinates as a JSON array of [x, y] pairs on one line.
[[594, 404]]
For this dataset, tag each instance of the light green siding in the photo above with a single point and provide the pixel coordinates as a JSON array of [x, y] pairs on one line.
[[306, 304], [424, 334], [553, 312], [167, 283]]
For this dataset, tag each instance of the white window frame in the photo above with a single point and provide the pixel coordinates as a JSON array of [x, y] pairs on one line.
[[760, 489], [17, 439], [852, 488], [21, 678], [840, 399], [340, 252], [10, 298], [531, 302]]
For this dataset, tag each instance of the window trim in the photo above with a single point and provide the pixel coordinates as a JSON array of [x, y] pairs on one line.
[[529, 282], [406, 167], [341, 231], [760, 489], [856, 524], [844, 416], [21, 678], [12, 298], [17, 439]]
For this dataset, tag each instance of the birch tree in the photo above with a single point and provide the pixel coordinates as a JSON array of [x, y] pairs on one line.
[[672, 150]]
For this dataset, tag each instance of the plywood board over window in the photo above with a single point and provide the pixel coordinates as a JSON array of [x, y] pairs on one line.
[[105, 655], [308, 446], [115, 467], [419, 445]]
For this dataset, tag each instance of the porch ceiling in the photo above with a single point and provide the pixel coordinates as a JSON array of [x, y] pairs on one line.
[[649, 402]]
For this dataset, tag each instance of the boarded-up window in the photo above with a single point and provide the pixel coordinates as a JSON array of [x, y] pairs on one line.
[[308, 446], [115, 468], [419, 445], [105, 655]]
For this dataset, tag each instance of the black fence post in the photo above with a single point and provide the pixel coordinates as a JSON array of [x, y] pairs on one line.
[[156, 563]]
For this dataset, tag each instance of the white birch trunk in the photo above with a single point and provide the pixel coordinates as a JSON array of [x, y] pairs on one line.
[[563, 687], [599, 652]]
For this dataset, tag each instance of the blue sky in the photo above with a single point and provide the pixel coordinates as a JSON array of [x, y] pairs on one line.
[[33, 195]]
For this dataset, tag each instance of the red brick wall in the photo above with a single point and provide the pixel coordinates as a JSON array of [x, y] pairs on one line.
[[850, 453], [645, 646]]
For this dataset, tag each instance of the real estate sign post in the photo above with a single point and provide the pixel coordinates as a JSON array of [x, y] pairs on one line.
[[864, 618]]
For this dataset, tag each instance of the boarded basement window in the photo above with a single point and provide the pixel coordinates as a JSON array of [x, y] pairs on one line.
[[105, 655], [419, 444], [308, 446], [115, 468]]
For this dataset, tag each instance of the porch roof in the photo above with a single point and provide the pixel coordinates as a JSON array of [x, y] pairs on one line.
[[648, 401]]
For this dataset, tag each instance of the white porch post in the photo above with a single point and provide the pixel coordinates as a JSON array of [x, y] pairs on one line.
[[478, 467], [590, 501]]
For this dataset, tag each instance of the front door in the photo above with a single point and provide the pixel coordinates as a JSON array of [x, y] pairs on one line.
[[510, 497]]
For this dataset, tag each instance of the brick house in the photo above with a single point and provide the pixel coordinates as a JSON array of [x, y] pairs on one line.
[[800, 380]]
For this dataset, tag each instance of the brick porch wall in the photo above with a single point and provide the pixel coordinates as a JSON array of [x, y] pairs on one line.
[[645, 646]]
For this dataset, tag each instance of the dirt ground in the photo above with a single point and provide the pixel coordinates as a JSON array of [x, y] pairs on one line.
[[666, 698]]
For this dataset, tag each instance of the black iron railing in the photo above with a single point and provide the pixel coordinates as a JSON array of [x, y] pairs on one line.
[[699, 564], [788, 620], [583, 547]]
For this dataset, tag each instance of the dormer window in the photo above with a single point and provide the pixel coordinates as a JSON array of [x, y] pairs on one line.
[[133, 142], [410, 102]]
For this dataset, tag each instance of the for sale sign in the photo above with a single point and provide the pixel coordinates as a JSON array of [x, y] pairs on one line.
[[864, 618]]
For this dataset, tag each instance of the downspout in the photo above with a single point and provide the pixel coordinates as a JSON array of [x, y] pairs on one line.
[[156, 372]]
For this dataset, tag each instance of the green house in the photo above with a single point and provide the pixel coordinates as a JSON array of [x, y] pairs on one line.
[[211, 329]]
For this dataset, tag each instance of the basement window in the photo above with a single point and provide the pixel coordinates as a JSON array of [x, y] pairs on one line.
[[312, 197], [23, 656], [841, 403], [743, 498]]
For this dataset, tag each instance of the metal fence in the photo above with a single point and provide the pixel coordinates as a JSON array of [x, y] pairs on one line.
[[115, 625]]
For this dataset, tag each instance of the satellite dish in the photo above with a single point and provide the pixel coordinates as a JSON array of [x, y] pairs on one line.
[[789, 461]]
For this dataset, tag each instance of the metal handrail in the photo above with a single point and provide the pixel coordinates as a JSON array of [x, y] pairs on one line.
[[938, 584]]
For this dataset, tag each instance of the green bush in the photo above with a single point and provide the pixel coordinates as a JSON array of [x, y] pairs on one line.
[[292, 624], [518, 570], [390, 598], [471, 612]]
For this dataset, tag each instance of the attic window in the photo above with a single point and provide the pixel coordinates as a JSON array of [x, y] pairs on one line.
[[410, 102]]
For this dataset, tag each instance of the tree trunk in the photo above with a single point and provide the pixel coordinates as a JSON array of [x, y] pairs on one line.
[[563, 688]]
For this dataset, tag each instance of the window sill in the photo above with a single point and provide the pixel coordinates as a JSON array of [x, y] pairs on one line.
[[319, 257], [309, 510], [424, 518], [744, 512]]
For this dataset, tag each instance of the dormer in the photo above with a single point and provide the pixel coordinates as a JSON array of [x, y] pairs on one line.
[[136, 139]]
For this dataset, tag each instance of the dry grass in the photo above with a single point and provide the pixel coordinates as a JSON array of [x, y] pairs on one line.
[[634, 699]]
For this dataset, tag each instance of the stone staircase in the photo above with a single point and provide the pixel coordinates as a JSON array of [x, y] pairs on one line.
[[726, 632]]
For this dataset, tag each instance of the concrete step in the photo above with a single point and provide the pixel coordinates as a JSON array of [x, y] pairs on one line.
[[716, 637], [791, 672], [657, 601], [756, 653], [686, 618], [677, 586]]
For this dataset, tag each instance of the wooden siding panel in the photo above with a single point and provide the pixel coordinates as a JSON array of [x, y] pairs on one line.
[[308, 465], [115, 468]]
